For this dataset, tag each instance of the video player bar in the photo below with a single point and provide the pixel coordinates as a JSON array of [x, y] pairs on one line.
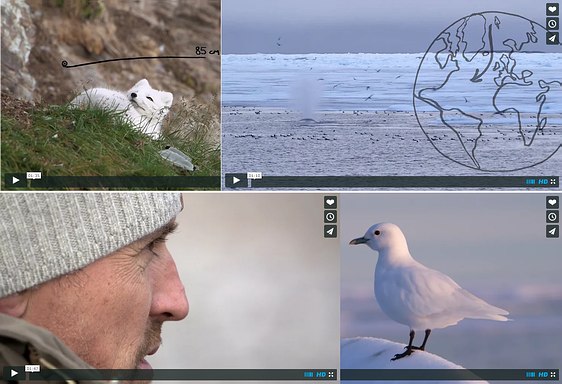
[[185, 374], [148, 182], [534, 182], [284, 374], [450, 374]]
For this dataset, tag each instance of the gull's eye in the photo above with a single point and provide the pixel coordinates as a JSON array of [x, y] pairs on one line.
[[150, 98], [377, 232]]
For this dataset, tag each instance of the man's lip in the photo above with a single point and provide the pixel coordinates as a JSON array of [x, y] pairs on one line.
[[153, 350], [144, 365]]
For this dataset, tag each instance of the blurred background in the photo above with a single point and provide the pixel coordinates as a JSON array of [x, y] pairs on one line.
[[492, 244], [262, 284]]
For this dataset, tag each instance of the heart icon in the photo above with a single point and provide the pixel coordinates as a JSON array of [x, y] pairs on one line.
[[552, 9], [552, 201], [330, 201]]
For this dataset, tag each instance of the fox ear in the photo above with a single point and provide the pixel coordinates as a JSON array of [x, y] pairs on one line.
[[142, 84], [167, 98]]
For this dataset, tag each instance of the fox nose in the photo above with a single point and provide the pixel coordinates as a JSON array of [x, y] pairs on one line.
[[133, 95]]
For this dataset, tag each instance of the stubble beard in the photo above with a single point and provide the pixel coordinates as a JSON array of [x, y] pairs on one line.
[[152, 337]]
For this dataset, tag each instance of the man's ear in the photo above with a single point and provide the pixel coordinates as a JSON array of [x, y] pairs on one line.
[[14, 305]]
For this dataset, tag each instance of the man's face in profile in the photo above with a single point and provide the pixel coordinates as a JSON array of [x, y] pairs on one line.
[[110, 313]]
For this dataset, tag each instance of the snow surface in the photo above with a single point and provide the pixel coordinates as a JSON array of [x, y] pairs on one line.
[[373, 353]]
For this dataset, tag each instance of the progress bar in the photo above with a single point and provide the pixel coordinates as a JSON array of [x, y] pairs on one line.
[[183, 374], [349, 182]]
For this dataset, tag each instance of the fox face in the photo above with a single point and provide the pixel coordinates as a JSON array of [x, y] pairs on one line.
[[148, 101]]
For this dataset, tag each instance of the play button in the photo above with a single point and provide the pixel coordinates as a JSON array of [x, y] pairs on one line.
[[236, 180], [13, 373], [15, 180]]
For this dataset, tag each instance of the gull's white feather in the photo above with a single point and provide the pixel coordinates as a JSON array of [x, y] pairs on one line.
[[417, 296]]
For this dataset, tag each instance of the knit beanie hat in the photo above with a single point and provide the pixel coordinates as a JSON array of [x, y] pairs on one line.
[[46, 235]]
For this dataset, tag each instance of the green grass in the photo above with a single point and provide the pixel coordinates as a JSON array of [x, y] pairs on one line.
[[64, 141]]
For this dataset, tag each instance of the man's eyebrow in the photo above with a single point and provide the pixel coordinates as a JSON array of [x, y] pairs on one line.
[[168, 228], [162, 232]]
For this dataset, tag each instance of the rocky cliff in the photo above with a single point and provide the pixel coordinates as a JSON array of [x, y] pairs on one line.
[[37, 35]]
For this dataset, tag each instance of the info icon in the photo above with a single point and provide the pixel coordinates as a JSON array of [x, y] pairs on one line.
[[552, 9]]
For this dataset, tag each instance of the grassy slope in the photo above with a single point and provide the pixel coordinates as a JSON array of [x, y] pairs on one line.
[[62, 141]]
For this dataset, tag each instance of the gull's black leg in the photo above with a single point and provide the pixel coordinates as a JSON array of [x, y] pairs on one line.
[[427, 332], [408, 351], [422, 348]]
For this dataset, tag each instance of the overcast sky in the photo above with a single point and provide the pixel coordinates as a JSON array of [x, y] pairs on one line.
[[341, 26], [481, 240]]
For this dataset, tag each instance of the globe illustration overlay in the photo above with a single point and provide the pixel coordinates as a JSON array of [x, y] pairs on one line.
[[488, 93]]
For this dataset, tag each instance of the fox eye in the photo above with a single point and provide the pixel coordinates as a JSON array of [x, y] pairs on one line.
[[150, 98]]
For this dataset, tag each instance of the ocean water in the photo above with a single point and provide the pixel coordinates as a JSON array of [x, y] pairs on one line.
[[331, 82], [354, 114]]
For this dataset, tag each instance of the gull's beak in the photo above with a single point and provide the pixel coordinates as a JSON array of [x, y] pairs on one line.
[[359, 240]]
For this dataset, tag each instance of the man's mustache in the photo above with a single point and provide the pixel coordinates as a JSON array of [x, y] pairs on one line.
[[152, 340]]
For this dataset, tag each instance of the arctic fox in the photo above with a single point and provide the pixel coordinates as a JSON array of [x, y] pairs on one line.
[[142, 105]]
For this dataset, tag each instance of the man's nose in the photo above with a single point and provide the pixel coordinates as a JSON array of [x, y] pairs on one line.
[[169, 301]]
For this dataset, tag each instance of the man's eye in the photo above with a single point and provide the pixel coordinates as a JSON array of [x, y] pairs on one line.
[[155, 242]]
